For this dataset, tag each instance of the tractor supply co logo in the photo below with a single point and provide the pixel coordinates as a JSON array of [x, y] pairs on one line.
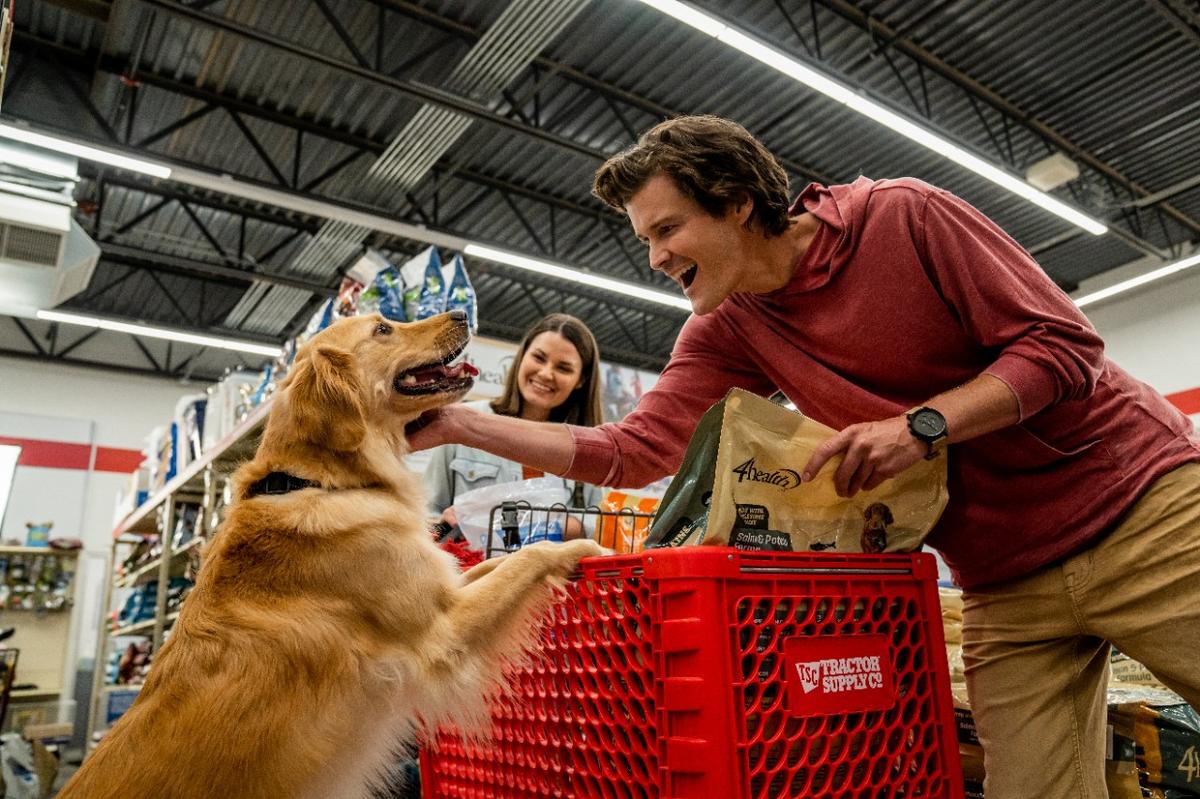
[[838, 674], [783, 478]]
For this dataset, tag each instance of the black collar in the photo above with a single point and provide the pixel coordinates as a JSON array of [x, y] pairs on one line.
[[279, 483]]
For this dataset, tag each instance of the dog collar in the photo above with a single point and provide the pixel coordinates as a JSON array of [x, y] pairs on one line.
[[279, 483]]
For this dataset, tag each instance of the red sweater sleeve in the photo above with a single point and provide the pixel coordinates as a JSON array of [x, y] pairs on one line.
[[649, 443], [1048, 352]]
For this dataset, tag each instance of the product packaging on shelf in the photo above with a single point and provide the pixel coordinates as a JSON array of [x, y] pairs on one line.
[[460, 294]]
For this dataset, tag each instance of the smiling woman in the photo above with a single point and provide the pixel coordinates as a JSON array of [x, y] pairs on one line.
[[555, 376]]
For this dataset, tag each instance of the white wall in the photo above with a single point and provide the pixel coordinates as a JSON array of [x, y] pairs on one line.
[[1154, 332], [56, 402]]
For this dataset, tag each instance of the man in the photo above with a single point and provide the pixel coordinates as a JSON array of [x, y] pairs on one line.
[[900, 315]]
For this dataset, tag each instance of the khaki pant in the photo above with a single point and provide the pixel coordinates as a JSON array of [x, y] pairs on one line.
[[1036, 648]]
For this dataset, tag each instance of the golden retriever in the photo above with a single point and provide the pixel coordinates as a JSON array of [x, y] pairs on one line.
[[326, 626]]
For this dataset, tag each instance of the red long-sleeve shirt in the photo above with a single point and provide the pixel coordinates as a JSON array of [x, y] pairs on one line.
[[906, 292]]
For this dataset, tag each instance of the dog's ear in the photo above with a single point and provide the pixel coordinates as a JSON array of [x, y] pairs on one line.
[[326, 400]]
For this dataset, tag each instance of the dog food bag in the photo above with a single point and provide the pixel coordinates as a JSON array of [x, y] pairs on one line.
[[413, 273], [431, 299], [385, 295], [321, 319], [620, 530], [740, 486], [460, 296]]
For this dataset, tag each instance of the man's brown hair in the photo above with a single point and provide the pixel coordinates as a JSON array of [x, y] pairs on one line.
[[714, 161]]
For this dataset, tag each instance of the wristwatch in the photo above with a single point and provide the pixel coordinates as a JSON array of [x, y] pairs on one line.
[[929, 426]]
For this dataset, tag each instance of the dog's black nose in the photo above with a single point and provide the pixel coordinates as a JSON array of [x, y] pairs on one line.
[[458, 316]]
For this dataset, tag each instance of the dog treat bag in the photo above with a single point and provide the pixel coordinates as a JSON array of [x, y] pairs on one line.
[[413, 273], [385, 295], [460, 296], [740, 485], [432, 298]]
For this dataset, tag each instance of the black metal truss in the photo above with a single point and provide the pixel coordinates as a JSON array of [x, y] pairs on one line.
[[603, 225], [236, 265], [423, 206], [1000, 118], [56, 345], [1130, 198], [524, 116]]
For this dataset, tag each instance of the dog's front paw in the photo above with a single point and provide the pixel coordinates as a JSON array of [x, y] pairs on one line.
[[569, 553]]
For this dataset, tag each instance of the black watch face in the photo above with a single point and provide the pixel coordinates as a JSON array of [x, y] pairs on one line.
[[928, 424]]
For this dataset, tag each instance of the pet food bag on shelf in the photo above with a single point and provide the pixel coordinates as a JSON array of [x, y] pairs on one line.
[[460, 294], [474, 510], [424, 288], [740, 485]]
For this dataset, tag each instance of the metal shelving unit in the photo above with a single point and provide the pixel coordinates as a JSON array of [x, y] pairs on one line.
[[200, 483]]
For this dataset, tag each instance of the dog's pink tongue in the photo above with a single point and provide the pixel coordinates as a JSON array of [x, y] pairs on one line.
[[462, 369]]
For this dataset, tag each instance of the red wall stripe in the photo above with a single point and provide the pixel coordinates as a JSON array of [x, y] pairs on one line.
[[65, 455], [1186, 401], [112, 459]]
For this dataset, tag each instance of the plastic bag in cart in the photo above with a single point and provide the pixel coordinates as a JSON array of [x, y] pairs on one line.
[[474, 510]]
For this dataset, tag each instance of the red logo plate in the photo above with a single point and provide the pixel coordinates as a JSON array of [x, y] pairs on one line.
[[838, 674]]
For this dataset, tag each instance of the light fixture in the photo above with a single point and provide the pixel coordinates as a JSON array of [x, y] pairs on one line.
[[1140, 280], [84, 151], [853, 99], [160, 332], [576, 276]]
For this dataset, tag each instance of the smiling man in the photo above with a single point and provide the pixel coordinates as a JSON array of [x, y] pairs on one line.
[[897, 313]]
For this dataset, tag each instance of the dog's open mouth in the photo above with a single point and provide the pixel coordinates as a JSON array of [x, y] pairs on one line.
[[440, 377]]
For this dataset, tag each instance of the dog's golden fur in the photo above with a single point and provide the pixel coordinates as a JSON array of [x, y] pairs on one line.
[[326, 625]]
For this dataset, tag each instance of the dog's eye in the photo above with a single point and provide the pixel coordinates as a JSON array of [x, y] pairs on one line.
[[383, 329]]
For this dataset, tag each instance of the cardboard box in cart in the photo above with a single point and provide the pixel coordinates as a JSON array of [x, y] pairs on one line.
[[713, 672]]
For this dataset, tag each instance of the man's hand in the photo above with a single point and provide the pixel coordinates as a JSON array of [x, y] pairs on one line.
[[873, 452], [446, 425]]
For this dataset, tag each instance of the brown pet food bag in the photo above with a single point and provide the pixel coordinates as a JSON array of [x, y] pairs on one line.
[[739, 485]]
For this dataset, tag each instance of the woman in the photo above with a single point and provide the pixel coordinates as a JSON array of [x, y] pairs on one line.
[[554, 377]]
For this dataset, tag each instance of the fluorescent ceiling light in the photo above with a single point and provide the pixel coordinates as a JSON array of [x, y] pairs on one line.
[[1140, 280], [84, 151], [160, 332], [577, 276], [849, 97]]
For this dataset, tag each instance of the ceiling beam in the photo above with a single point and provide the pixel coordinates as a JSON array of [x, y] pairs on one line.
[[896, 40]]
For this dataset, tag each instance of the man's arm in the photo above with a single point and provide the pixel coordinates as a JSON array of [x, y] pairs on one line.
[[876, 451], [547, 446]]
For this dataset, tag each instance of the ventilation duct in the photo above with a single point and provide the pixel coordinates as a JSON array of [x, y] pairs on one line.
[[45, 257]]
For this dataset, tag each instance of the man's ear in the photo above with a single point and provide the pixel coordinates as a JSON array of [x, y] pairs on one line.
[[325, 399], [743, 208]]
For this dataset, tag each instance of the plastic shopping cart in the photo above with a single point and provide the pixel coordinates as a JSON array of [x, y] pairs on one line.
[[713, 672]]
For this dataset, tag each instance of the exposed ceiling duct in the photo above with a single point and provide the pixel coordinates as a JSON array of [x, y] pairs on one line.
[[45, 257]]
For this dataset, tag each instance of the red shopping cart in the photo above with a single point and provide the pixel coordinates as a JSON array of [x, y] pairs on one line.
[[712, 672]]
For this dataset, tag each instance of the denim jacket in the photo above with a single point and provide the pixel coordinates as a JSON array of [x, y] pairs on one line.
[[455, 468]]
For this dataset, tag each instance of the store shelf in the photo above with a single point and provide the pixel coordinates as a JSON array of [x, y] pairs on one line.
[[62, 553], [141, 628], [136, 577], [237, 446], [109, 689]]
